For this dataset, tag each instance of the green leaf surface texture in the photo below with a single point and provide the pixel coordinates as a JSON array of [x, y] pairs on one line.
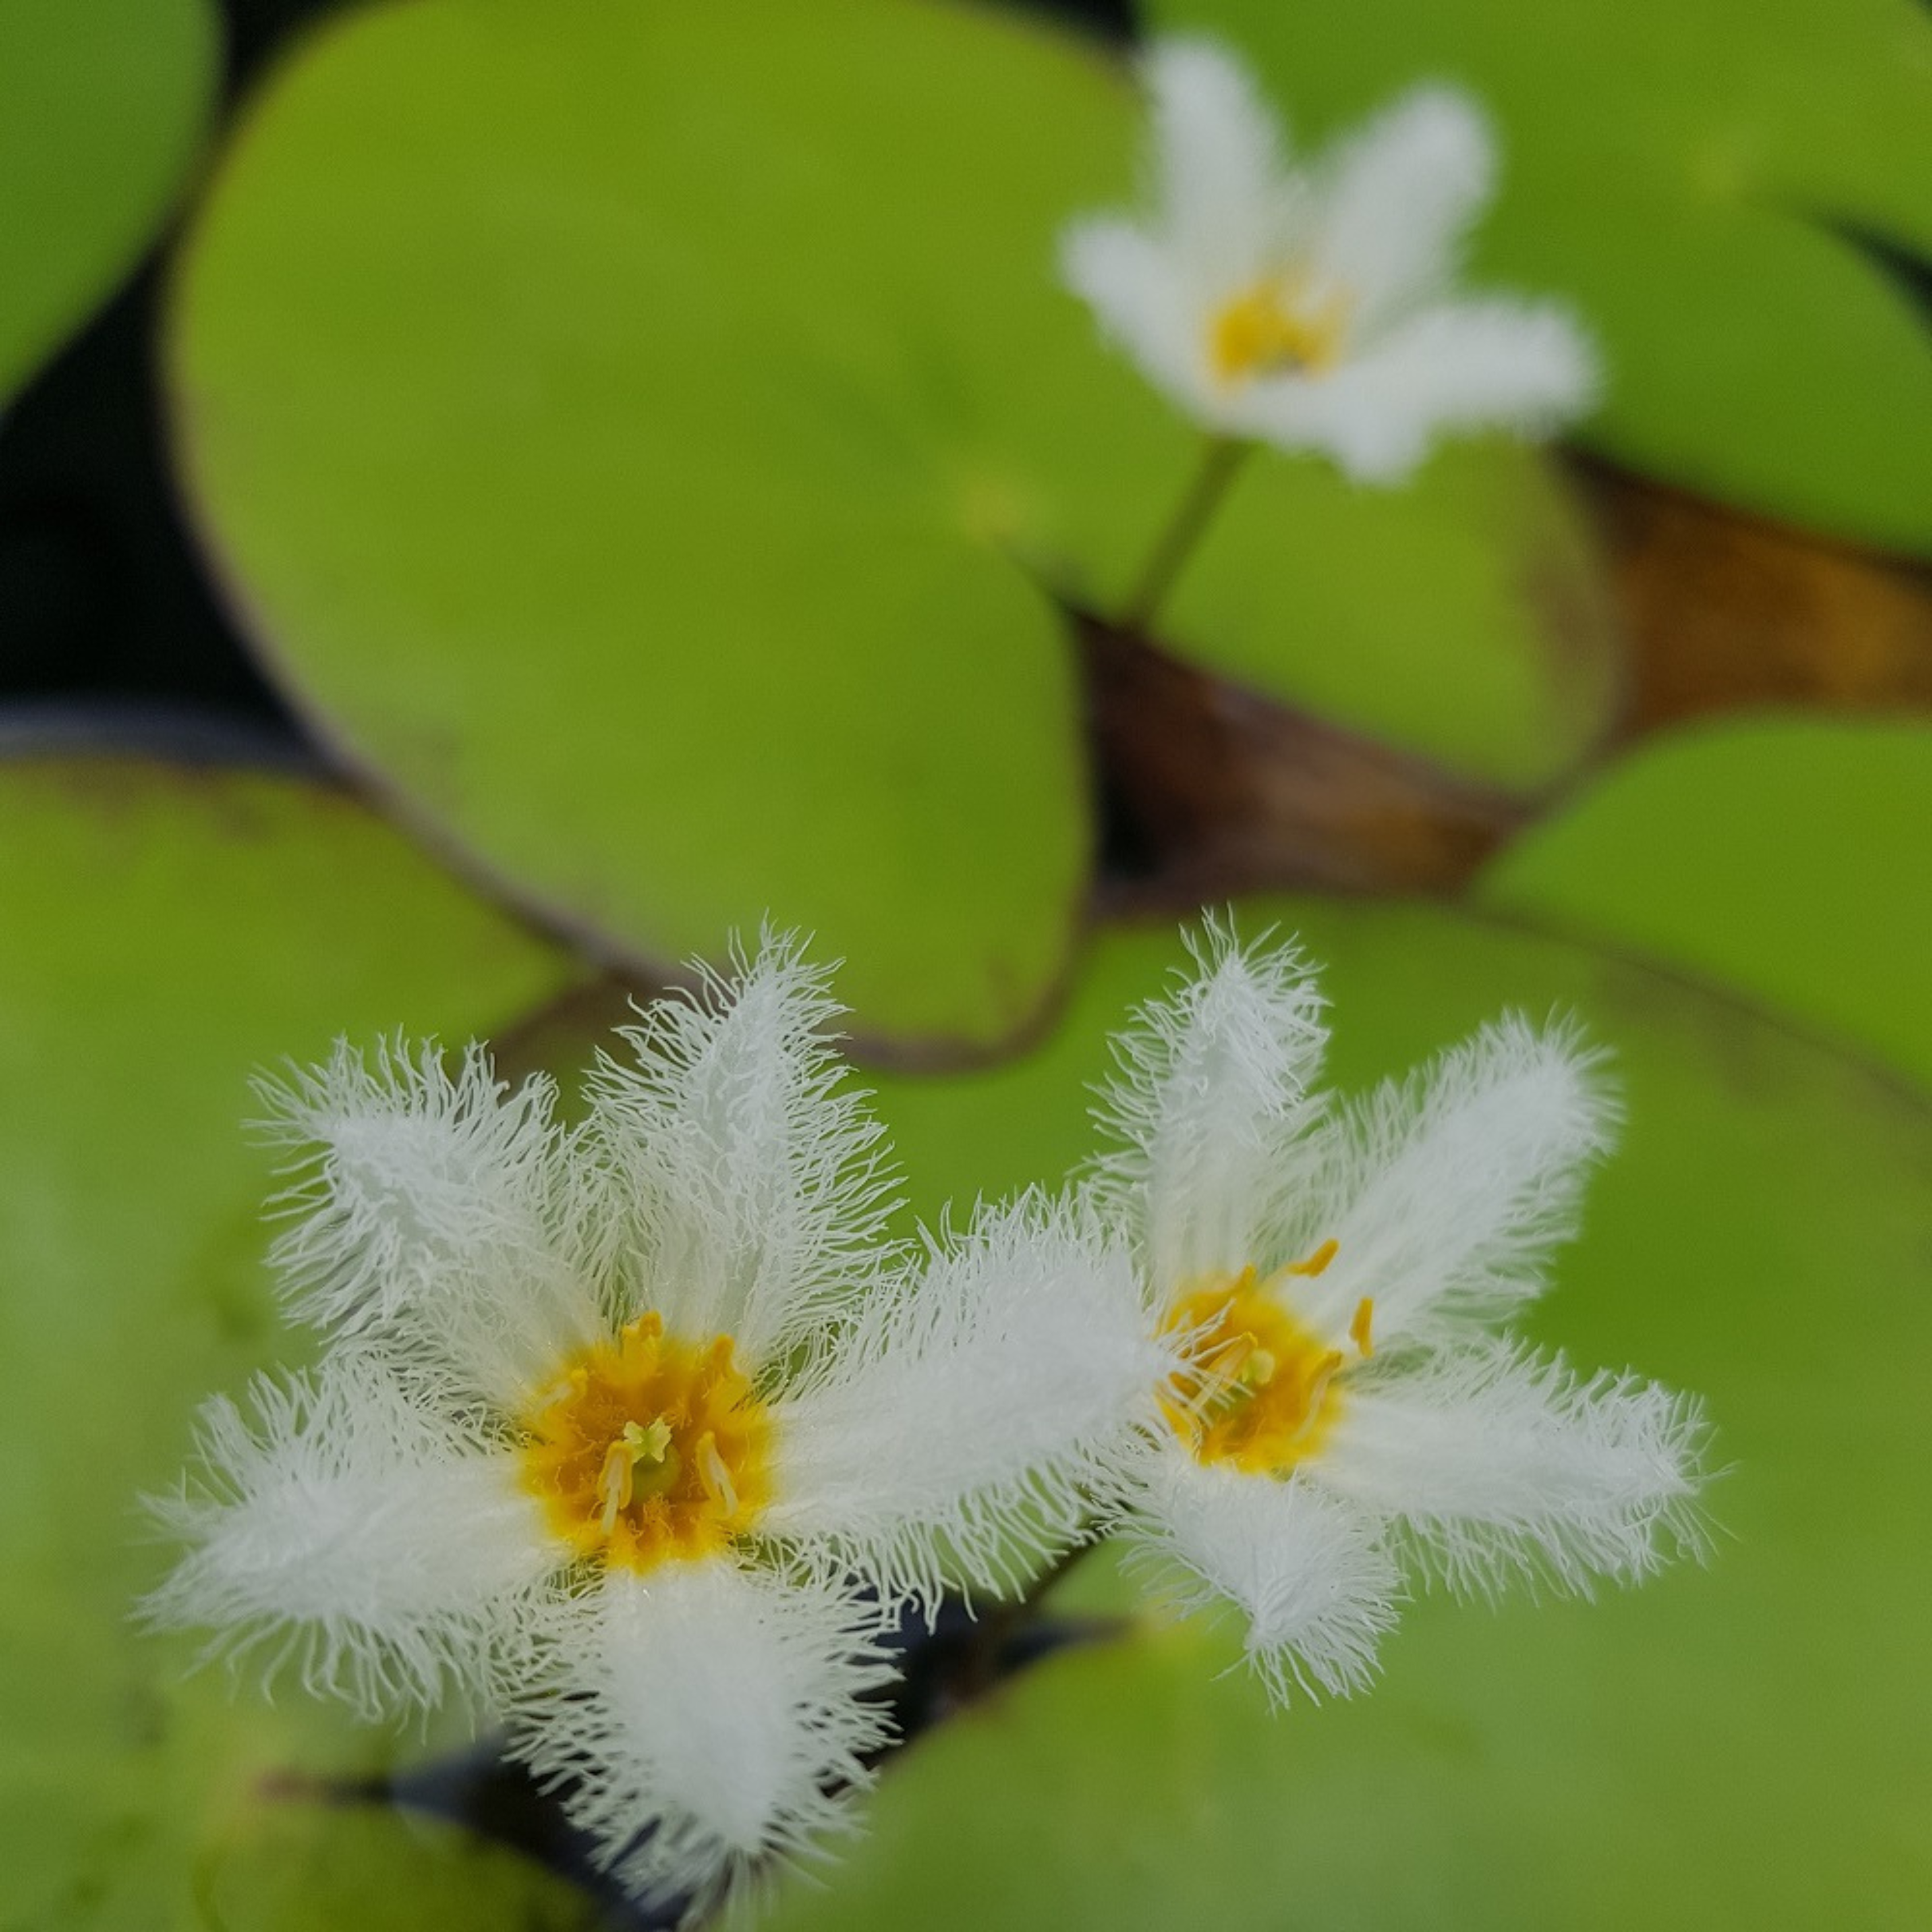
[[106, 102], [164, 934], [1781, 858]]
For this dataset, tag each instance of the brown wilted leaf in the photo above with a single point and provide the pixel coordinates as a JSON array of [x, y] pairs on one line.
[[1211, 789], [1726, 612]]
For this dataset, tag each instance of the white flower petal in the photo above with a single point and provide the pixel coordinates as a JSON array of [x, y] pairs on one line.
[[407, 1173], [1226, 210], [1142, 299], [1226, 199], [1210, 1100], [1501, 1465], [1523, 367], [1395, 198], [758, 1188], [352, 1534], [952, 1432], [424, 1216], [1444, 1192], [1317, 1588], [702, 1717]]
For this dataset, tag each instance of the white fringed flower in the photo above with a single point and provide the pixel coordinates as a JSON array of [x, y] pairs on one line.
[[639, 1433], [1338, 1275], [1312, 307]]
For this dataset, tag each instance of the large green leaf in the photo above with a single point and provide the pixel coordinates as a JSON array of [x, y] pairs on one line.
[[653, 440], [105, 107], [1689, 172], [578, 444], [1782, 858], [163, 934], [1741, 1746]]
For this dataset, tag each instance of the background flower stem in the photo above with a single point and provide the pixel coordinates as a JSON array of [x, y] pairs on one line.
[[1221, 457]]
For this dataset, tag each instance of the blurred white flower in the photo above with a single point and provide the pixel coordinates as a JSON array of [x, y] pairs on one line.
[[1338, 1275], [639, 1433], [1314, 308]]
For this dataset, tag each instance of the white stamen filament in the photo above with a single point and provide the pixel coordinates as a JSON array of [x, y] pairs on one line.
[[614, 1484], [716, 1478]]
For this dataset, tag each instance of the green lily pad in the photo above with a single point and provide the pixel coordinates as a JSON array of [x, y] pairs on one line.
[[1756, 350], [167, 932], [1782, 858], [540, 390], [1739, 1746], [105, 108], [653, 442]]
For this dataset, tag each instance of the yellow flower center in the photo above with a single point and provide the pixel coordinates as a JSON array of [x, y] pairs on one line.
[[1273, 328], [1260, 1392], [645, 1448]]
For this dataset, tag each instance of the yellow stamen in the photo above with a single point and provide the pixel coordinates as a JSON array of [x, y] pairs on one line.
[[1261, 1391], [644, 1448], [1358, 1329], [1274, 329], [1317, 1392], [562, 1390]]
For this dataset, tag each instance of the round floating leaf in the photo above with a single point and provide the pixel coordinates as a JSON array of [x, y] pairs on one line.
[[1737, 1748], [605, 492], [653, 440], [1753, 254], [1782, 858], [105, 105], [167, 932]]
